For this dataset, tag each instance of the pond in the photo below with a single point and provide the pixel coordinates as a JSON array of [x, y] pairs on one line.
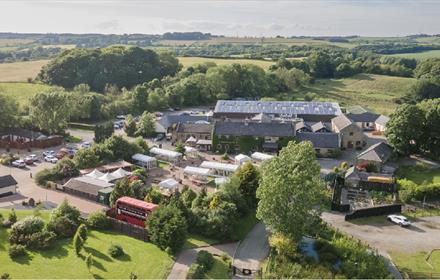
[[307, 248]]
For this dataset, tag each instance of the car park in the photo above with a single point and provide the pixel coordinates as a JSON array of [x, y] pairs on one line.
[[19, 163], [399, 220], [51, 159], [28, 160], [48, 153]]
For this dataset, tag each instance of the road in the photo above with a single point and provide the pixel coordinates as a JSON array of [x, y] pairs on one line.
[[253, 249], [187, 257], [27, 188]]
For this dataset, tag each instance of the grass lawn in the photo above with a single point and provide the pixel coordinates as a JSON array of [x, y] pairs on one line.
[[423, 212], [419, 55], [189, 61], [196, 241], [419, 176], [415, 262], [22, 92], [20, 71], [143, 259], [374, 92], [220, 270], [245, 225], [162, 164]]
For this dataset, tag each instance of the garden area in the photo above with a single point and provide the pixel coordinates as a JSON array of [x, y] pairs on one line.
[[60, 260], [415, 265]]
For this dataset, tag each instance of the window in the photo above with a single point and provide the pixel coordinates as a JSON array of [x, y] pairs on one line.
[[351, 133], [318, 151]]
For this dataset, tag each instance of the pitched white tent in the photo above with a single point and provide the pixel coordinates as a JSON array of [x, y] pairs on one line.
[[240, 159], [167, 155], [120, 173], [145, 161], [261, 156], [95, 174], [107, 177]]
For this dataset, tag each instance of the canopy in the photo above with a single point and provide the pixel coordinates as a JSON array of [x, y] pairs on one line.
[[165, 153], [143, 158], [108, 177], [169, 184], [95, 174], [196, 171], [261, 156], [120, 173], [239, 159], [219, 166]]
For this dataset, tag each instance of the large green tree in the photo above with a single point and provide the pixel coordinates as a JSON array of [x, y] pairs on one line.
[[49, 111], [404, 129], [122, 188], [147, 125], [248, 178], [8, 111], [290, 190]]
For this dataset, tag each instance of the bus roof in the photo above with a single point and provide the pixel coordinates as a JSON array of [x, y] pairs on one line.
[[137, 203]]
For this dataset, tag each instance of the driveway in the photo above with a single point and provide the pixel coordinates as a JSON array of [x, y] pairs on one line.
[[27, 188], [422, 235], [187, 257]]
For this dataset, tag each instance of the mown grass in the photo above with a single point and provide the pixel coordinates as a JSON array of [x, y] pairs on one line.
[[220, 270], [419, 55], [143, 259], [22, 92], [197, 241], [415, 262], [374, 92], [20, 71], [420, 176], [190, 61]]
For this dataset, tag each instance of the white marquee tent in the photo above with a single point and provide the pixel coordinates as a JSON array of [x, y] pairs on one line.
[[95, 174], [108, 177], [120, 173]]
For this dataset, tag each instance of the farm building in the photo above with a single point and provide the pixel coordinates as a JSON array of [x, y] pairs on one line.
[[87, 187], [8, 185], [219, 169], [185, 131], [325, 144], [377, 154], [381, 123], [352, 136], [165, 123], [308, 111], [145, 161], [167, 155]]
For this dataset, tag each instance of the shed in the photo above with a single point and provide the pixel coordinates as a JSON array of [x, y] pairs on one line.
[[86, 187], [169, 184], [167, 155], [144, 161], [261, 156], [197, 171], [104, 195], [8, 185], [241, 159]]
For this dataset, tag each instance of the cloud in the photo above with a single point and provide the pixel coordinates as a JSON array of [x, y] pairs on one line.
[[107, 25]]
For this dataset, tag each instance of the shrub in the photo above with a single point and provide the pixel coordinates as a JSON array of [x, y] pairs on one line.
[[30, 232], [115, 251], [195, 271], [5, 276], [64, 220], [82, 231], [17, 250], [205, 259], [12, 216], [98, 220]]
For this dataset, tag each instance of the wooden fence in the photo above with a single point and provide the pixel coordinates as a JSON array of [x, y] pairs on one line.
[[129, 229]]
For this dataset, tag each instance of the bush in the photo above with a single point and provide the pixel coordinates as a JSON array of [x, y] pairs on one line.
[[98, 220], [30, 232], [205, 259], [64, 220], [115, 251], [17, 250], [43, 176], [5, 276], [195, 271]]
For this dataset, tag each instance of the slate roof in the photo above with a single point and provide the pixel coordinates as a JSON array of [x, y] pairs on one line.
[[382, 120], [379, 152], [168, 120], [363, 117], [278, 107], [87, 185], [320, 139], [341, 122], [7, 181], [318, 126], [194, 128], [254, 129], [25, 133]]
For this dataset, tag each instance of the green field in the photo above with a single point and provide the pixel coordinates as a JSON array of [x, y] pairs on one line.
[[420, 176], [190, 61], [415, 262], [374, 92], [21, 92], [60, 262], [419, 55]]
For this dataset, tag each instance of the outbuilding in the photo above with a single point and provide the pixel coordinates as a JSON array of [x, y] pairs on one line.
[[241, 159], [8, 185], [220, 169], [167, 155], [144, 161]]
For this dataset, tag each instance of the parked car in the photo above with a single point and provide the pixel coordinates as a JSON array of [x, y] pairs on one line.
[[28, 160], [33, 157], [159, 137], [51, 159], [48, 153], [399, 220], [120, 117], [86, 145], [19, 163]]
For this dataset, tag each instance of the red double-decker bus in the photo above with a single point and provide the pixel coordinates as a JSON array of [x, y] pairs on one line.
[[133, 211]]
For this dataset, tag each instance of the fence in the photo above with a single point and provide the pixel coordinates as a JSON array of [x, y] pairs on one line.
[[129, 229], [423, 275], [374, 211]]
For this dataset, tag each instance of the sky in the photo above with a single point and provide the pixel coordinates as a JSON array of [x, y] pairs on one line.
[[231, 17]]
